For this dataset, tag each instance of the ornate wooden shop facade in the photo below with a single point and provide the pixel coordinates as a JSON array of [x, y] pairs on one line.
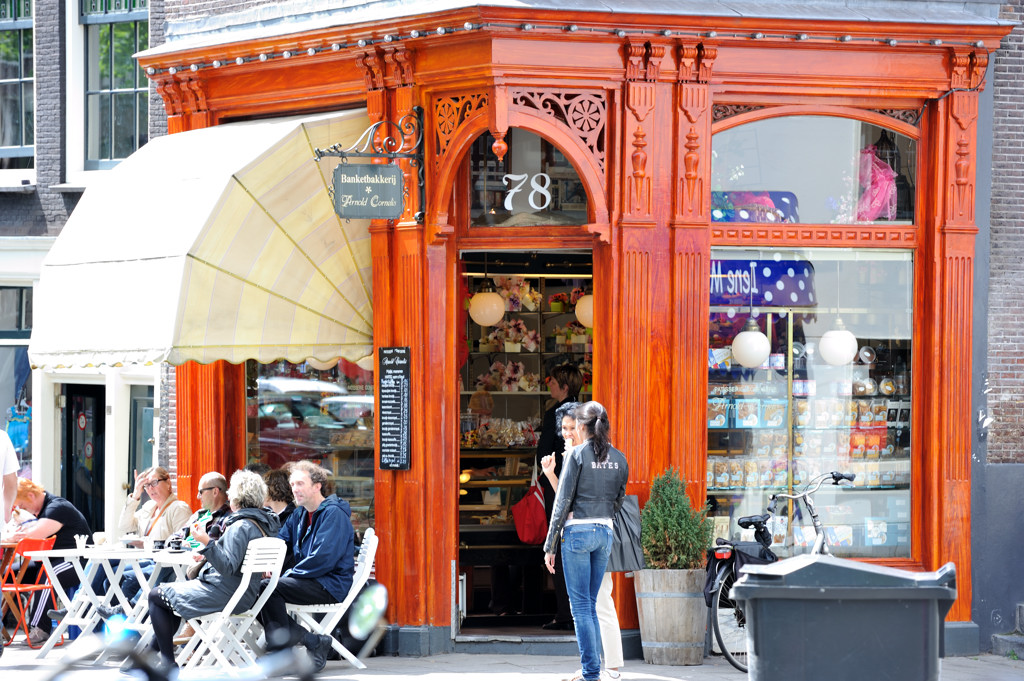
[[634, 102]]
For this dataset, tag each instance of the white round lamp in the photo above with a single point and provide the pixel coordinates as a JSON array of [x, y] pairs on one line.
[[585, 311], [838, 346], [751, 347], [486, 308]]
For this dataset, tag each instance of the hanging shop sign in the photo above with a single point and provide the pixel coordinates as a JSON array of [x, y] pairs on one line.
[[378, 191], [395, 421], [368, 191]]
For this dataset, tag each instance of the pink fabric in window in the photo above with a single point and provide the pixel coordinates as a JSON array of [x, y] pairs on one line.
[[878, 182]]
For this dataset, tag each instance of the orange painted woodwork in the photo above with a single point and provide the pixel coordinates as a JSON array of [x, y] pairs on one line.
[[211, 422], [647, 176]]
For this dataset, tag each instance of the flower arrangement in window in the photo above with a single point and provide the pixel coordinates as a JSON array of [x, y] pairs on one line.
[[558, 301], [509, 377], [575, 295], [518, 293]]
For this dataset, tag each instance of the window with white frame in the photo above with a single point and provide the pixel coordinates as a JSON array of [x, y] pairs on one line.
[[116, 89], [17, 78]]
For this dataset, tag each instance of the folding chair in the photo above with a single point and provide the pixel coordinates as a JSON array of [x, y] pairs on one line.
[[306, 615], [222, 639], [18, 595]]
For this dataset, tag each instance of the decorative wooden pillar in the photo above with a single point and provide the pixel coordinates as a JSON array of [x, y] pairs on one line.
[[947, 506], [691, 253], [211, 422]]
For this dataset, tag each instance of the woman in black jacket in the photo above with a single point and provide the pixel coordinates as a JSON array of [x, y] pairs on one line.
[[590, 490]]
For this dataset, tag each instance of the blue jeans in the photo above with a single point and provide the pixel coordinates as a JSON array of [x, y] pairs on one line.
[[585, 550]]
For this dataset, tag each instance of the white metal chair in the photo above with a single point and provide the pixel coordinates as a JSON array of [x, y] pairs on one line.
[[306, 615], [222, 640]]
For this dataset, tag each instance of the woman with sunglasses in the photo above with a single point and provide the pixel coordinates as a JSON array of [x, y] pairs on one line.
[[159, 517]]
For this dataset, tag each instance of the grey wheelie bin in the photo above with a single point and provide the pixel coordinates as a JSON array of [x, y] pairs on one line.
[[816, 617]]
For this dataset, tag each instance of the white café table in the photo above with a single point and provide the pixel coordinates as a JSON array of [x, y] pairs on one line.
[[113, 560]]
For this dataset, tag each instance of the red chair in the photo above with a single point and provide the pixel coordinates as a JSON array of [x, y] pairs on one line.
[[17, 596]]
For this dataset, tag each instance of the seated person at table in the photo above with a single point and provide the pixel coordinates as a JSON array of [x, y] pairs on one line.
[[213, 497], [279, 494], [322, 539], [221, 574], [158, 518], [55, 516]]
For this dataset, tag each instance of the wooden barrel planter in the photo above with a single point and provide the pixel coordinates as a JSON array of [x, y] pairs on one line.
[[673, 616]]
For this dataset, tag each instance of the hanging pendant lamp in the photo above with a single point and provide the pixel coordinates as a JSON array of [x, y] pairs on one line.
[[751, 347], [486, 307], [838, 345], [585, 310]]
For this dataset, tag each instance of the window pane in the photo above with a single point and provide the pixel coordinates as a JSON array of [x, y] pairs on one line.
[[99, 127], [296, 412], [27, 61], [10, 114], [124, 125], [143, 43], [806, 411], [103, 49], [143, 107], [533, 185], [124, 47], [812, 169], [29, 106], [10, 309]]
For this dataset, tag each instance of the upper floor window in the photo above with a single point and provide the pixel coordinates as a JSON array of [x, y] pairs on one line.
[[116, 89], [813, 170], [15, 311], [17, 78]]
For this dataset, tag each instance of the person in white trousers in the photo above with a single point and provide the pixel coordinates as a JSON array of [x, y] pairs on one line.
[[611, 637]]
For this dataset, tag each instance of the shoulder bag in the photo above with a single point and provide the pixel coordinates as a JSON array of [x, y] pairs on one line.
[[626, 555], [528, 514]]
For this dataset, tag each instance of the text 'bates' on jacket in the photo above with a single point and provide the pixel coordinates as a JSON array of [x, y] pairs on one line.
[[588, 488]]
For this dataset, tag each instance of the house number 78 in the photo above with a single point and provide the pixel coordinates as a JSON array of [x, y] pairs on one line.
[[539, 197]]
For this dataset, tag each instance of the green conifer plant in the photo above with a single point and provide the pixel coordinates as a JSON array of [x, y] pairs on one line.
[[674, 535]]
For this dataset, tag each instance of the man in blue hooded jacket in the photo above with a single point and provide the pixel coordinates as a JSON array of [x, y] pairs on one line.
[[321, 536]]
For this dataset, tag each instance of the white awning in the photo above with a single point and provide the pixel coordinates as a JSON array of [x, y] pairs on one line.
[[213, 244]]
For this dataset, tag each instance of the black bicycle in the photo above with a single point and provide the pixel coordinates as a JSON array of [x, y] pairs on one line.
[[728, 621]]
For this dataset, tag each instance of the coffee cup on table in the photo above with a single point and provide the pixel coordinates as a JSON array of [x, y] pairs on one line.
[[158, 545], [99, 538], [148, 542]]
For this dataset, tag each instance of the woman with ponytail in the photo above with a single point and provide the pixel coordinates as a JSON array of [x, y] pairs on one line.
[[590, 491]]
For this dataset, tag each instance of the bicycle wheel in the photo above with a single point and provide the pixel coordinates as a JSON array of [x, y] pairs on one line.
[[729, 624]]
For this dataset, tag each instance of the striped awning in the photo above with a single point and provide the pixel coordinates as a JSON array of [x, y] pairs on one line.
[[213, 244]]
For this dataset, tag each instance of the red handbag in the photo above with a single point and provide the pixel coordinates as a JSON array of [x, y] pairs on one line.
[[528, 515]]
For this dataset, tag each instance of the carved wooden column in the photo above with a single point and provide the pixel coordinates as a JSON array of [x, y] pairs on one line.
[[947, 505], [640, 399], [691, 253]]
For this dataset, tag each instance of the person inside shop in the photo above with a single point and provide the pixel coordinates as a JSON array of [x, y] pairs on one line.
[[213, 510], [158, 518], [564, 382], [590, 491], [611, 636], [221, 573], [55, 517], [322, 540]]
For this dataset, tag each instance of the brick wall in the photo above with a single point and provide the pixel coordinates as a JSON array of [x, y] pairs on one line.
[[157, 113], [187, 9], [45, 211], [1006, 317]]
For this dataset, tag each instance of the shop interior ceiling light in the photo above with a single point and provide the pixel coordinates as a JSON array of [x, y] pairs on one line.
[[751, 347], [486, 307], [838, 345], [585, 311]]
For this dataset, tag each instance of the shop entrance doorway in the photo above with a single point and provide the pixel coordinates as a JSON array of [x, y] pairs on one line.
[[82, 449], [510, 344]]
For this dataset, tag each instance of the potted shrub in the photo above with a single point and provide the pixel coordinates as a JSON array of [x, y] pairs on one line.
[[674, 538]]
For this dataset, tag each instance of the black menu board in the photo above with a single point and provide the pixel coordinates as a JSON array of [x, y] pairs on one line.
[[393, 393]]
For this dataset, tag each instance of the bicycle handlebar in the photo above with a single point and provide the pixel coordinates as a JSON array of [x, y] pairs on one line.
[[835, 476]]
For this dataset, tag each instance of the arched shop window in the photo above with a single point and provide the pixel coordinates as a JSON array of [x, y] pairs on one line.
[[821, 380], [321, 412], [812, 170], [533, 185]]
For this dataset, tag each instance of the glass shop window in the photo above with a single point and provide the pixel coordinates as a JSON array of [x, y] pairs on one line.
[[321, 412], [533, 185], [828, 390], [812, 170]]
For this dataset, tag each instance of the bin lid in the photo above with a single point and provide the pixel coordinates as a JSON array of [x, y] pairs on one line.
[[828, 577]]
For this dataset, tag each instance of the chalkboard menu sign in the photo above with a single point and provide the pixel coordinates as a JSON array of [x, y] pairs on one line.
[[393, 392]]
